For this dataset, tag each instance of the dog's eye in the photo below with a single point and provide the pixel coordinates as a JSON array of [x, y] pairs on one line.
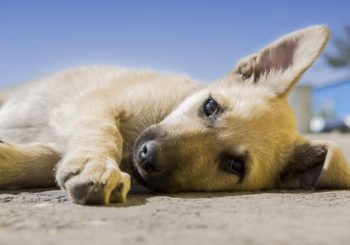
[[235, 165], [210, 107]]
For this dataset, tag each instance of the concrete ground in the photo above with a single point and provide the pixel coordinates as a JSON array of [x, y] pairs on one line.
[[277, 217]]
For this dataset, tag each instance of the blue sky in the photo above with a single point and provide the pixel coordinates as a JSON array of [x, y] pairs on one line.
[[201, 38]]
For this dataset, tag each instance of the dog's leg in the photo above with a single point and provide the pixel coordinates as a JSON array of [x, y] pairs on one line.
[[89, 170], [28, 165]]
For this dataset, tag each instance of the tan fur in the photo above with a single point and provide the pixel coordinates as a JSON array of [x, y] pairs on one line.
[[88, 119], [28, 165]]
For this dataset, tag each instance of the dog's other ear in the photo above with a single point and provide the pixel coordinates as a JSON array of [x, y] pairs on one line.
[[316, 164], [281, 64]]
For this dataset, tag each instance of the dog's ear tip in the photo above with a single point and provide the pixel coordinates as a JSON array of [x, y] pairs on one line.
[[319, 32], [324, 29], [320, 28]]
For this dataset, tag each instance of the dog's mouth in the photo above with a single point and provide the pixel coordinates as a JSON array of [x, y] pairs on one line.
[[156, 183], [147, 165], [136, 170], [136, 173]]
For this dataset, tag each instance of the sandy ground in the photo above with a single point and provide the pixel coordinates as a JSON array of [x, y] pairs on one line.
[[278, 217]]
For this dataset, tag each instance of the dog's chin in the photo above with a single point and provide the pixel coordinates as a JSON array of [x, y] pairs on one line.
[[152, 184], [138, 176]]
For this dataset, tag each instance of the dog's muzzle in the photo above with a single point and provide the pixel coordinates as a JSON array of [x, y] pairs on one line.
[[145, 151], [147, 167]]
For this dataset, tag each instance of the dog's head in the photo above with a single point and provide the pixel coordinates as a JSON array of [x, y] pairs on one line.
[[239, 133]]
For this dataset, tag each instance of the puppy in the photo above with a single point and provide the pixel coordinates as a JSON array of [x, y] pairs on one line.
[[87, 129]]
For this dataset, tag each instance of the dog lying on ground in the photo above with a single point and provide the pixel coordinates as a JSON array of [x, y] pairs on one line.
[[87, 129]]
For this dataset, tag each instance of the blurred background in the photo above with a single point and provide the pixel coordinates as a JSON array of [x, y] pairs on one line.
[[203, 39]]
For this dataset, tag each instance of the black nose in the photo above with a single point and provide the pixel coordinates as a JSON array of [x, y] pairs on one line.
[[147, 158]]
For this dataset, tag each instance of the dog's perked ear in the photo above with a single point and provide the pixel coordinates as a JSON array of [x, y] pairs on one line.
[[281, 64], [315, 164]]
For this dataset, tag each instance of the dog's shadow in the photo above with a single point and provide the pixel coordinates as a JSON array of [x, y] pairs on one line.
[[209, 195], [141, 197], [199, 195]]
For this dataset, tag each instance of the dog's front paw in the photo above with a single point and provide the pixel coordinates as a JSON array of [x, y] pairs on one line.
[[93, 180]]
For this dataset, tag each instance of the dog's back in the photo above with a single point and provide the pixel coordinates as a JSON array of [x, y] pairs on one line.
[[40, 111]]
